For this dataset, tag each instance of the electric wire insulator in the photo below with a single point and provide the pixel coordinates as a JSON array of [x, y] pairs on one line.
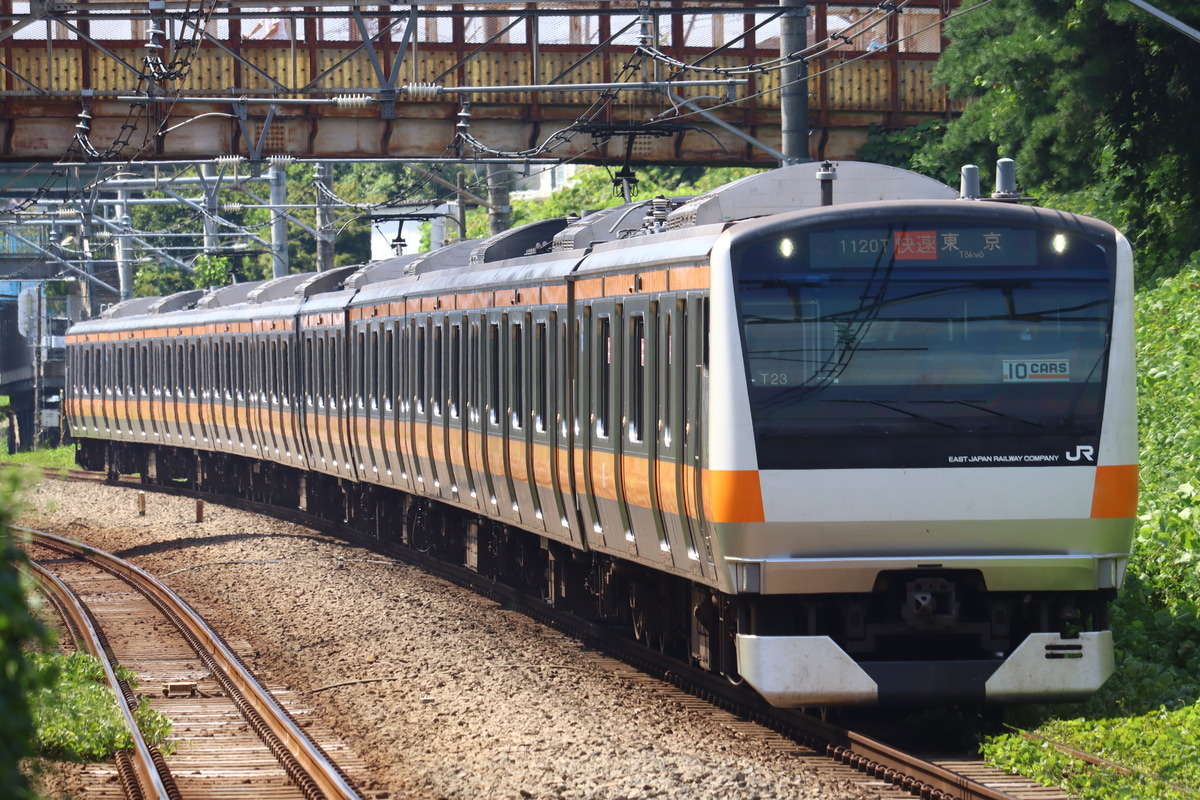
[[352, 101], [422, 91], [280, 160], [228, 159]]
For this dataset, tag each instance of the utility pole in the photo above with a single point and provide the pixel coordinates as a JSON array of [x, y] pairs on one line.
[[124, 245], [793, 95], [323, 175], [279, 242], [499, 210], [461, 200]]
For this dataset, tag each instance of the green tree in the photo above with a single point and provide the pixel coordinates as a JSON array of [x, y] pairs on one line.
[[19, 630], [1097, 103]]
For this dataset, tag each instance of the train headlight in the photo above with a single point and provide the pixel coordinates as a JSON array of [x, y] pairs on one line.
[[786, 248], [1059, 243]]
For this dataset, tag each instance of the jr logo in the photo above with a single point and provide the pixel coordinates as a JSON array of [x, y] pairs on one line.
[[1081, 451]]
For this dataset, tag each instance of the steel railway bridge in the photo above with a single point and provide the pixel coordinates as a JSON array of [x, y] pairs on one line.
[[649, 81]]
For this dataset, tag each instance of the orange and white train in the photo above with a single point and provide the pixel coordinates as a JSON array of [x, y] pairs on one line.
[[852, 441]]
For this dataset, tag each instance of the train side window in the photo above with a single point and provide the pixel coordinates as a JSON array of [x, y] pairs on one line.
[[285, 374], [319, 372], [359, 363], [542, 377], [637, 378], [281, 372], [376, 374], [454, 399], [473, 373], [493, 395], [121, 359], [227, 375], [144, 372], [603, 374], [438, 356], [240, 365], [389, 368], [404, 378], [193, 371], [420, 371], [337, 377], [518, 375]]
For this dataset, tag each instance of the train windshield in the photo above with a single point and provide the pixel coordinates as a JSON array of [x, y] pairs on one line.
[[926, 343]]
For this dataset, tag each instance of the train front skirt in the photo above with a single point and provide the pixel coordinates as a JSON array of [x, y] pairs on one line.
[[806, 671]]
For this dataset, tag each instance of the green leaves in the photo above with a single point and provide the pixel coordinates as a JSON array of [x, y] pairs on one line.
[[1096, 99], [76, 715], [1146, 719], [18, 632]]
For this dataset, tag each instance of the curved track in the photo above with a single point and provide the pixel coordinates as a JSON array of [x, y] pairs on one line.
[[884, 767], [241, 737]]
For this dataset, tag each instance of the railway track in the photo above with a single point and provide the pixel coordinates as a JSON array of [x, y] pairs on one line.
[[842, 753], [235, 738]]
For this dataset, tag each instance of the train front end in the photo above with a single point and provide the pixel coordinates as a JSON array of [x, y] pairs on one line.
[[922, 450]]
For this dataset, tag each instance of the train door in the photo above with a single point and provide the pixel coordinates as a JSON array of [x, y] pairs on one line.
[[544, 423], [331, 413], [503, 498], [291, 400], [604, 445], [583, 345], [262, 383], [343, 413], [242, 381], [358, 419], [104, 389], [521, 402], [370, 449], [196, 391], [223, 360], [439, 446], [313, 397], [408, 422], [426, 476], [694, 459], [672, 354], [271, 421], [395, 359], [463, 488], [127, 412], [564, 359], [167, 382], [477, 413], [146, 428], [638, 441]]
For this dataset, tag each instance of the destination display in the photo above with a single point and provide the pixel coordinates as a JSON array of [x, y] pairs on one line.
[[936, 245]]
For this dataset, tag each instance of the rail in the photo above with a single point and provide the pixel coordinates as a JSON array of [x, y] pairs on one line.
[[309, 766]]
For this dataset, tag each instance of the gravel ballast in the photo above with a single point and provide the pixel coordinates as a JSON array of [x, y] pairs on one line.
[[443, 693]]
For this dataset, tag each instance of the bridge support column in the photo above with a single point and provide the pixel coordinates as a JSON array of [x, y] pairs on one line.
[[793, 95]]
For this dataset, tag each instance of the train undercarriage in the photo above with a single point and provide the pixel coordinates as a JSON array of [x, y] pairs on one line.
[[921, 636]]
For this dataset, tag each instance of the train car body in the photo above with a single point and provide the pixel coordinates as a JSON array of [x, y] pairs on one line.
[[875, 450]]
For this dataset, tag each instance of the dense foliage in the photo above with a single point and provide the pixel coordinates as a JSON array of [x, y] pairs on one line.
[[76, 713], [19, 631], [1147, 718], [1096, 101]]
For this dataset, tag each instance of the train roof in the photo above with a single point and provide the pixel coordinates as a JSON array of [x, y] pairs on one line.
[[798, 186], [649, 232]]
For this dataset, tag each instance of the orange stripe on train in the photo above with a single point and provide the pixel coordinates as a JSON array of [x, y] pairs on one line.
[[1115, 492]]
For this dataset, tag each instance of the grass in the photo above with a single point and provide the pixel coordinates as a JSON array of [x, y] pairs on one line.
[[50, 458]]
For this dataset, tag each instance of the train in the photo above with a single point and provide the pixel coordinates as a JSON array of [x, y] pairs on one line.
[[840, 432]]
